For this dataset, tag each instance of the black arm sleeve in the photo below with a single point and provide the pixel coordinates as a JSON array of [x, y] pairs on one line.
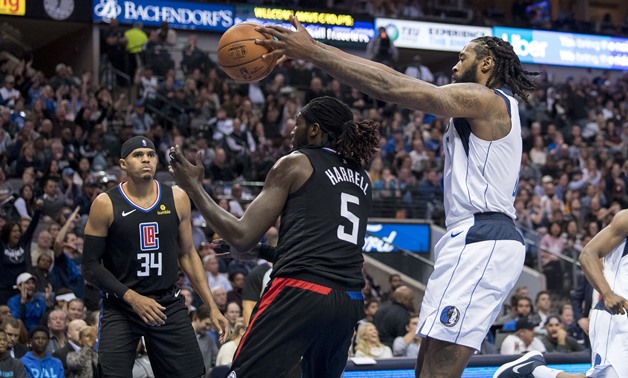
[[93, 270], [267, 252]]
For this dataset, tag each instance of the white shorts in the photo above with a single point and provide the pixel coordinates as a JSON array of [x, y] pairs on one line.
[[478, 263], [609, 343]]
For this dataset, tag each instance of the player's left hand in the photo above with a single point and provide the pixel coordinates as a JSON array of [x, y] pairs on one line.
[[221, 324], [291, 44], [186, 174]]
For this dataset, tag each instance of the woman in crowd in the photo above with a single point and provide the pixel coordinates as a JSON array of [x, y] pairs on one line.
[[369, 344]]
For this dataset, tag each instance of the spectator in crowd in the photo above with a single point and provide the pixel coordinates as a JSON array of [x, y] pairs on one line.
[[523, 340], [408, 344], [391, 319], [28, 306], [201, 323], [233, 313], [394, 280], [214, 277], [9, 366], [418, 70], [194, 57], [85, 361], [543, 305], [228, 349], [381, 48], [8, 93], [41, 272], [523, 309], [12, 328], [43, 246], [237, 280], [57, 326], [582, 300], [73, 343], [369, 344], [556, 338], [38, 362], [371, 306]]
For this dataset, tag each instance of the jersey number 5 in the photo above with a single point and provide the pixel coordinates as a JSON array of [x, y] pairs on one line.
[[352, 237]]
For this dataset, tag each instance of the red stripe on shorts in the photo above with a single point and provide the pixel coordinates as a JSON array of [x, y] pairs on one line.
[[275, 288]]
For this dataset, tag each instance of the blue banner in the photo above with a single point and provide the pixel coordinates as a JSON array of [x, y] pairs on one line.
[[393, 237], [179, 15], [566, 49]]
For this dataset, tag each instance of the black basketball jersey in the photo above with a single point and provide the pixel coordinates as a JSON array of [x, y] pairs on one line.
[[324, 222], [142, 242]]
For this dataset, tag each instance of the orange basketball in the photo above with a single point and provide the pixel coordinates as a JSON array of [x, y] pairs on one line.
[[240, 57]]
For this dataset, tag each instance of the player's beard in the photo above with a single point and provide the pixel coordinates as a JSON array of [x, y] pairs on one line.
[[468, 76]]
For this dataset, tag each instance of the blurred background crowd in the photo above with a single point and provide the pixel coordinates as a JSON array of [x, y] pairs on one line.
[[61, 133]]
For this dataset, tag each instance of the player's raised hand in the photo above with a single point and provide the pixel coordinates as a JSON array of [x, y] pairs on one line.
[[221, 323], [186, 174], [147, 308], [291, 44]]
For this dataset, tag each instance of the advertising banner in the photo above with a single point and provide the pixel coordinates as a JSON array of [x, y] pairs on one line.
[[179, 15], [333, 28], [567, 49], [430, 35], [390, 236], [13, 7]]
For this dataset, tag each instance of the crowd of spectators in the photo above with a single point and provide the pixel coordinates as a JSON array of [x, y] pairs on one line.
[[60, 139]]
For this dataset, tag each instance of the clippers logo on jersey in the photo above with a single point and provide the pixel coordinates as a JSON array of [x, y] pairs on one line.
[[148, 236], [449, 316]]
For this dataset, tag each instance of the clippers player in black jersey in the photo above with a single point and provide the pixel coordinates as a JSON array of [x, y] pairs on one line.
[[323, 195], [136, 236]]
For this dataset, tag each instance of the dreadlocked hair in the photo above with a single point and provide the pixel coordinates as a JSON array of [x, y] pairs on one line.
[[508, 69], [355, 141]]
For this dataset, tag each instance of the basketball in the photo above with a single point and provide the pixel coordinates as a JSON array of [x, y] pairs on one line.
[[240, 57]]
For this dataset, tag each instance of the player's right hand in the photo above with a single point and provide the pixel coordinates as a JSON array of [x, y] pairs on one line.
[[615, 303], [147, 308]]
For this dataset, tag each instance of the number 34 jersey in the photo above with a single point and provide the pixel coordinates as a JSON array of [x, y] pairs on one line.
[[142, 242], [323, 223]]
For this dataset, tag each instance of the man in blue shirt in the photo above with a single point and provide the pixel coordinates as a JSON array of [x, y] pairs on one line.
[[38, 362], [25, 305]]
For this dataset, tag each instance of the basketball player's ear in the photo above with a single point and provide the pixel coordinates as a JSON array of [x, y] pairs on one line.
[[123, 164], [314, 129], [487, 63]]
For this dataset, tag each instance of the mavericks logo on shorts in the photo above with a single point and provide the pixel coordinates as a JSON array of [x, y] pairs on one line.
[[232, 375], [449, 316]]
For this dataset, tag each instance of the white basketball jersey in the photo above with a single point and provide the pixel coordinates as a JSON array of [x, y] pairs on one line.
[[479, 175], [616, 269]]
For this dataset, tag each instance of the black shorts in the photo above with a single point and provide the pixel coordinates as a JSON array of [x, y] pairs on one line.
[[172, 348], [297, 319]]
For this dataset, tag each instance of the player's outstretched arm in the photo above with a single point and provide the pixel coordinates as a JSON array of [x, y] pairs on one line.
[[192, 266], [288, 173], [96, 230], [600, 246], [466, 100]]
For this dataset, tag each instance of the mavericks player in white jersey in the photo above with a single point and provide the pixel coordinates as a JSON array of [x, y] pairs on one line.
[[605, 263], [481, 256]]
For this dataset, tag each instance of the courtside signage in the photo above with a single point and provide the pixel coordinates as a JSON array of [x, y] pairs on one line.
[[333, 28], [13, 7], [567, 49], [179, 15], [430, 35], [395, 237]]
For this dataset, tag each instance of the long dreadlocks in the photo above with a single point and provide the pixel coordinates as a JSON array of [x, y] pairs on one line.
[[356, 141], [508, 69]]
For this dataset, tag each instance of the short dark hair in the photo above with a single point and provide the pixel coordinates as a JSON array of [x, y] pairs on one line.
[[39, 328], [202, 312]]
